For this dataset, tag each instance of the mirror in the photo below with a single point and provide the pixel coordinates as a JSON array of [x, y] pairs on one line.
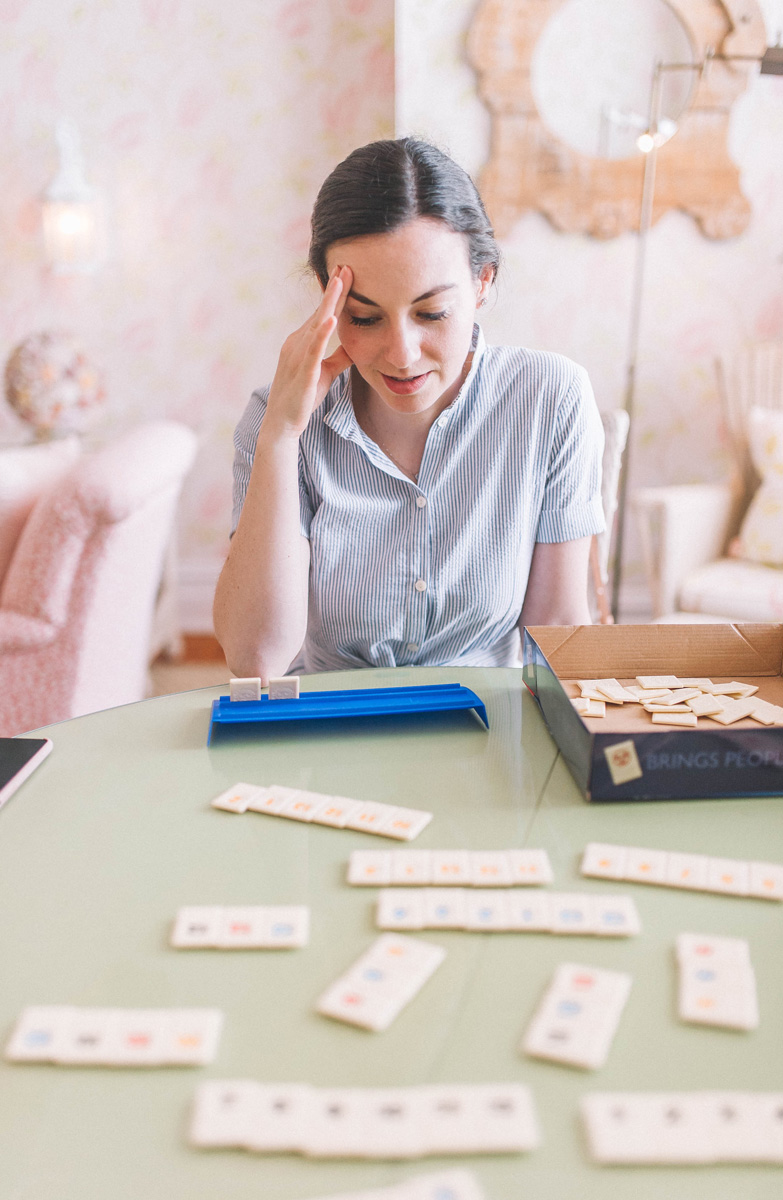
[[567, 84], [592, 71]]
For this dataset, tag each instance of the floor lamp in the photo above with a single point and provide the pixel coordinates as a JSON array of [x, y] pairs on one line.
[[771, 63]]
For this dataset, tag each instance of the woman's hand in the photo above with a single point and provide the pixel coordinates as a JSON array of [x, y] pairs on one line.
[[303, 375]]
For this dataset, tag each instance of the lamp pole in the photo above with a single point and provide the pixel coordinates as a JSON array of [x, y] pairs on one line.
[[771, 63], [650, 149]]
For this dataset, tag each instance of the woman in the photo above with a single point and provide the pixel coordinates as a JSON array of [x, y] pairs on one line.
[[415, 496]]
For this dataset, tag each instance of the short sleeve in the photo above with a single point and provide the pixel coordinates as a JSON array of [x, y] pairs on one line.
[[571, 506], [245, 438]]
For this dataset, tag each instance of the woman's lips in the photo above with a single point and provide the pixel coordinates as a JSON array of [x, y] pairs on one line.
[[405, 387]]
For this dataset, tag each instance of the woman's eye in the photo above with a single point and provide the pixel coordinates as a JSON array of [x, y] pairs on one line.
[[362, 320], [437, 316]]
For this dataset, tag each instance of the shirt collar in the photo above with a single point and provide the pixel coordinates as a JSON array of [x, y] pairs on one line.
[[340, 415]]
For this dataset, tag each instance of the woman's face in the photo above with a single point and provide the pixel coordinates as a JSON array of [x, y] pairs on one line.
[[408, 321]]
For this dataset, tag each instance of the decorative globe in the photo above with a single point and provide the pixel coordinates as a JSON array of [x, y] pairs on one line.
[[51, 384]]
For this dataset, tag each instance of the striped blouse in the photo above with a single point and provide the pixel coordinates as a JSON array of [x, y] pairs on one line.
[[434, 572]]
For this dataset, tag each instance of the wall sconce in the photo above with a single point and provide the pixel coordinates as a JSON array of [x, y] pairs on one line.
[[70, 209]]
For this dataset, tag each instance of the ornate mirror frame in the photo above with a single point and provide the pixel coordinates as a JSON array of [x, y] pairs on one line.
[[531, 169]]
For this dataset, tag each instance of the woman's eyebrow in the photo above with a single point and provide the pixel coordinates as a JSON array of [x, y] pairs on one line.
[[442, 287]]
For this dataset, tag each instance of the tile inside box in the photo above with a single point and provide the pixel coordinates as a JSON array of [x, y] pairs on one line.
[[631, 718]]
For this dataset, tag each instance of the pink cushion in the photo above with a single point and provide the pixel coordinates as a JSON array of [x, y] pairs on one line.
[[26, 473]]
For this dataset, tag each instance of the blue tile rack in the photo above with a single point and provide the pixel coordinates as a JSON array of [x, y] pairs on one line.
[[345, 705]]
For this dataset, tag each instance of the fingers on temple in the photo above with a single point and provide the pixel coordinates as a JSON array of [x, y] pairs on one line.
[[346, 278], [321, 334], [337, 290]]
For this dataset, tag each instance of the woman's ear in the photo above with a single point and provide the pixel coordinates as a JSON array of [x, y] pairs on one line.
[[485, 280]]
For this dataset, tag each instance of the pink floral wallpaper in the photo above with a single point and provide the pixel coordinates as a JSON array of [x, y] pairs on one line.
[[207, 128]]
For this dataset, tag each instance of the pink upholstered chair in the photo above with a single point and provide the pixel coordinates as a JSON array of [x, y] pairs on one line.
[[77, 600]]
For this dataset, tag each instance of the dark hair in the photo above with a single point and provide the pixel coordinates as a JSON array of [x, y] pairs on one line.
[[384, 185]]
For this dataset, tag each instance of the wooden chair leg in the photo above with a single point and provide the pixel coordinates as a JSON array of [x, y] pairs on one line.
[[604, 610]]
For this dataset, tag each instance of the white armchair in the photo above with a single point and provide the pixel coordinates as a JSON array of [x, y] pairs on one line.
[[686, 530], [616, 424], [77, 603]]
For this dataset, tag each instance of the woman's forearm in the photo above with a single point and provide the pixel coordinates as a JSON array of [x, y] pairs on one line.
[[260, 610]]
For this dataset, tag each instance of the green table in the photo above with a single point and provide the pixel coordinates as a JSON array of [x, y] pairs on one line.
[[114, 832]]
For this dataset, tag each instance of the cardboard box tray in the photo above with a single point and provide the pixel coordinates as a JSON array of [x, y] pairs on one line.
[[623, 756]]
